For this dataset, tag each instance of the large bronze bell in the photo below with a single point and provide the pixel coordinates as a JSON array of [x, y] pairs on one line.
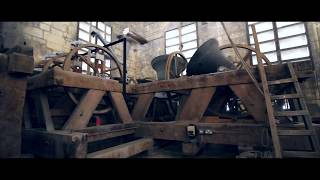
[[177, 66], [207, 59]]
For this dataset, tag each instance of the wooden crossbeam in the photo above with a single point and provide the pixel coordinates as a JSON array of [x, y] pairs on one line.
[[251, 99], [142, 106], [124, 150], [121, 107], [195, 104], [82, 113]]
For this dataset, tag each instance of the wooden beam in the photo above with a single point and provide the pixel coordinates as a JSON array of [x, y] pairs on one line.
[[97, 133], [142, 106], [223, 133], [196, 104], [12, 100], [124, 150], [60, 77], [251, 99], [212, 80], [93, 137], [43, 110], [84, 110], [56, 144], [192, 82], [121, 107]]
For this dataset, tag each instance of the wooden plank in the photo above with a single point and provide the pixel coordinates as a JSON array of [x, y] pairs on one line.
[[199, 81], [301, 154], [196, 104], [142, 106], [20, 64], [12, 100], [281, 81], [223, 133], [107, 128], [121, 107], [60, 77], [84, 110], [251, 99], [295, 132], [55, 144], [43, 110], [97, 133], [271, 119], [286, 96], [124, 150], [291, 113], [92, 137], [214, 119]]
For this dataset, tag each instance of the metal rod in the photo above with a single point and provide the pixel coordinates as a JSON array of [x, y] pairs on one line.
[[244, 64], [124, 81], [115, 42]]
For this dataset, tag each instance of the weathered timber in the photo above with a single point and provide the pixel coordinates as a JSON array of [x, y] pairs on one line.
[[120, 106], [223, 133], [124, 150], [13, 85], [42, 110], [210, 80], [196, 104], [251, 99], [142, 106], [60, 77], [84, 110], [56, 144], [97, 133]]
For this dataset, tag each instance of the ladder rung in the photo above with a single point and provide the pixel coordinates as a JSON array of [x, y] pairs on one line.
[[281, 81], [291, 113], [286, 96], [295, 132], [301, 154]]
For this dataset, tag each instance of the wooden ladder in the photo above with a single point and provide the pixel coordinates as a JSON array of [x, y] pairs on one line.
[[308, 130]]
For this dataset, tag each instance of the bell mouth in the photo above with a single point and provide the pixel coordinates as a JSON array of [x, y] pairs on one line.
[[159, 63]]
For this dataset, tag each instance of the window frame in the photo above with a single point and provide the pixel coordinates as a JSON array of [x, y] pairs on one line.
[[276, 39], [180, 38]]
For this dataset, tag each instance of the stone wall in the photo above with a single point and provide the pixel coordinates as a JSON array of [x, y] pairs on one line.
[[44, 37]]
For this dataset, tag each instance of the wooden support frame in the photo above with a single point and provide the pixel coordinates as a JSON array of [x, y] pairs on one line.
[[251, 99], [59, 77], [142, 106], [43, 110], [195, 104], [121, 107], [223, 133], [55, 144], [233, 77], [83, 112], [124, 150]]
